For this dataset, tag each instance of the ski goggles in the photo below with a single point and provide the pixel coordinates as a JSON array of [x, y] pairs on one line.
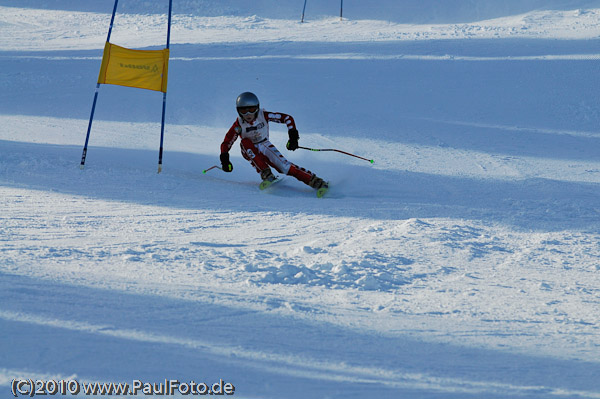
[[247, 110]]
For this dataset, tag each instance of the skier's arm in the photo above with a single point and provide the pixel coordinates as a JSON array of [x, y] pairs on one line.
[[231, 137], [279, 117]]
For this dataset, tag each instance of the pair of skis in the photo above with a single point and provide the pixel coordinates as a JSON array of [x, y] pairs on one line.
[[268, 183], [321, 191]]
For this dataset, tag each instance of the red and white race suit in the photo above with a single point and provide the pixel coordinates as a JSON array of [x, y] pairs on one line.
[[257, 148]]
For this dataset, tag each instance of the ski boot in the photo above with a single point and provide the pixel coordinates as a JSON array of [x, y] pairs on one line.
[[319, 184], [267, 177]]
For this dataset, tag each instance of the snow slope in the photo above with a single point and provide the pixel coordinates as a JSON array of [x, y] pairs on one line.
[[463, 263]]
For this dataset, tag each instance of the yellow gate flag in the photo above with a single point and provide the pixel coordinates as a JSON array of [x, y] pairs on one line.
[[145, 69]]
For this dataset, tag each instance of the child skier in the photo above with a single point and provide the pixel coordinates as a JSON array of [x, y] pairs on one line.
[[252, 125]]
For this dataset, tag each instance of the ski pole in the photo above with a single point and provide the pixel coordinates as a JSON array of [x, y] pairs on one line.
[[212, 167], [340, 151]]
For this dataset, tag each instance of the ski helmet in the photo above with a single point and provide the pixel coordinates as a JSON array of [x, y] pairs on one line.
[[247, 102]]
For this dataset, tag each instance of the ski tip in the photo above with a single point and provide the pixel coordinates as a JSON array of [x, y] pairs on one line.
[[322, 191], [372, 161], [267, 183]]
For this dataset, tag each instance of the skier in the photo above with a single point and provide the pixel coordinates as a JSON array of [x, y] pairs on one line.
[[252, 125]]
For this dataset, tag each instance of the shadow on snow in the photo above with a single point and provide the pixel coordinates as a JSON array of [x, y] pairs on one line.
[[59, 328], [130, 175]]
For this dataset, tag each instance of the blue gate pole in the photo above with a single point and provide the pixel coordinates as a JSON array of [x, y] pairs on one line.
[[164, 105], [341, 9], [89, 129], [303, 9]]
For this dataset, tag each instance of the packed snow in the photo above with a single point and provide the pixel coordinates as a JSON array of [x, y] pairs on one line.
[[463, 263]]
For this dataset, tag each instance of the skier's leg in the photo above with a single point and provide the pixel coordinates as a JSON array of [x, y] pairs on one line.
[[300, 173], [274, 157], [306, 177], [278, 161], [252, 154]]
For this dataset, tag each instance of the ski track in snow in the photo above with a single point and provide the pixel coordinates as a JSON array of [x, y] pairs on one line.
[[463, 263]]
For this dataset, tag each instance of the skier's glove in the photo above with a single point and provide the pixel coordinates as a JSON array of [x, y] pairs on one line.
[[292, 143], [225, 164]]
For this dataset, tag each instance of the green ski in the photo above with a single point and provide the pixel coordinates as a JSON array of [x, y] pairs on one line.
[[267, 183], [322, 191]]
